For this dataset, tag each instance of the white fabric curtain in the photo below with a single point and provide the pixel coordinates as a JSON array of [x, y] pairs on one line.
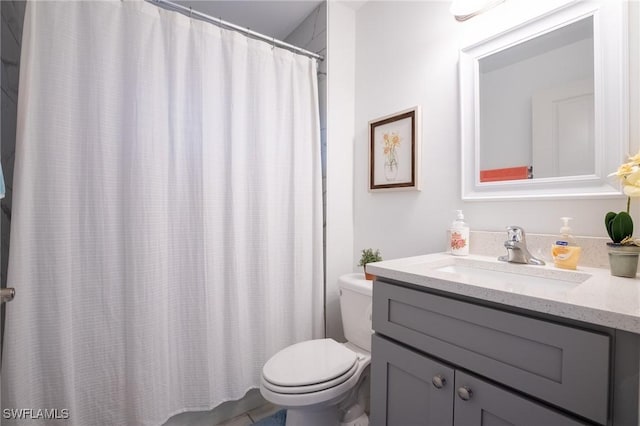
[[167, 232]]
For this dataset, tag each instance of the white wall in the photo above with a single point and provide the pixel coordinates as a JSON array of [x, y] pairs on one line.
[[340, 134], [407, 54]]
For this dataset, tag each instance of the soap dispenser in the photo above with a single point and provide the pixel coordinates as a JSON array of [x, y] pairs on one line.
[[565, 251], [459, 236]]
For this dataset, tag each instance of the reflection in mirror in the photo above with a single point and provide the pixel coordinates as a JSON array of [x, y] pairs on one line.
[[544, 106], [537, 107]]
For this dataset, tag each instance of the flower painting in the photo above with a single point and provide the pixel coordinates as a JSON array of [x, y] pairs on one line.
[[391, 142], [394, 151]]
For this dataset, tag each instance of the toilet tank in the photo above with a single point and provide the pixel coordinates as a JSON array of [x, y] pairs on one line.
[[355, 306]]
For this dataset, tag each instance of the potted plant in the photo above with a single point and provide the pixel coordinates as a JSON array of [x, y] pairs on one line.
[[624, 250], [369, 256]]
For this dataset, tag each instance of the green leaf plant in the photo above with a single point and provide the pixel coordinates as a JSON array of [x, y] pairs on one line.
[[620, 225], [369, 256]]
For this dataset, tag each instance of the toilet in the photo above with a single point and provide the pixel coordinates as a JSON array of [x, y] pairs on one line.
[[320, 382]]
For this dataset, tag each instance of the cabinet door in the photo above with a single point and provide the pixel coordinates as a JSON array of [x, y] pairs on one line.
[[480, 403], [407, 388]]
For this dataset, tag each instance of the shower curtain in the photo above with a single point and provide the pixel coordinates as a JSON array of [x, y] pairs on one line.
[[167, 232]]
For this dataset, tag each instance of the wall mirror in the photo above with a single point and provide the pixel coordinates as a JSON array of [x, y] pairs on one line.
[[544, 106]]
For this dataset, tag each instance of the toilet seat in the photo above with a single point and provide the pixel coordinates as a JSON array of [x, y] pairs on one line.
[[313, 363], [306, 397], [316, 387]]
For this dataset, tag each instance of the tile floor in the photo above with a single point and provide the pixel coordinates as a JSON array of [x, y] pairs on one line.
[[251, 416]]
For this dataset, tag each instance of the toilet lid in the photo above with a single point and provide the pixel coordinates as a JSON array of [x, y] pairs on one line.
[[310, 362]]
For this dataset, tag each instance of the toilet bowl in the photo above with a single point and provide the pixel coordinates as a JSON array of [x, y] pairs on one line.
[[320, 381]]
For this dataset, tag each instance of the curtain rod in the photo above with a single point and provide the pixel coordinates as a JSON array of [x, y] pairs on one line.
[[220, 22]]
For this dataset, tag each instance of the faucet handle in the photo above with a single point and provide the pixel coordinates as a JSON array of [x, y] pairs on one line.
[[515, 233]]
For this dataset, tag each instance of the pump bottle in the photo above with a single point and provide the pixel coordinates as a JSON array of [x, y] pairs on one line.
[[459, 236], [565, 251]]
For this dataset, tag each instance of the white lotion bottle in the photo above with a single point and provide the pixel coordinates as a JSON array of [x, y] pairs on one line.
[[459, 236]]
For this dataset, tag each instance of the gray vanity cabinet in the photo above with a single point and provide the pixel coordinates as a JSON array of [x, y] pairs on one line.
[[520, 369]]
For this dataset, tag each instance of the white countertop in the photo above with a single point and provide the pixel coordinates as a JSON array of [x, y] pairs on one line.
[[591, 295]]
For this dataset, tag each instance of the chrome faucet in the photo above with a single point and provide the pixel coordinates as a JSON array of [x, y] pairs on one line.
[[516, 246]]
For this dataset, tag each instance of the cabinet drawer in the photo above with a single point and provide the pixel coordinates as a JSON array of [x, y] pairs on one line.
[[565, 366]]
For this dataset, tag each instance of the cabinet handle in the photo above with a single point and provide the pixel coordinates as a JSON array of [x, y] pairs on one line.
[[465, 393], [439, 381]]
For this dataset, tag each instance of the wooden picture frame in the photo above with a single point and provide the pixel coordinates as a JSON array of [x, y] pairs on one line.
[[394, 151]]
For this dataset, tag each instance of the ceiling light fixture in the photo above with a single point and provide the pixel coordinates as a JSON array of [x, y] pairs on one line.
[[467, 9]]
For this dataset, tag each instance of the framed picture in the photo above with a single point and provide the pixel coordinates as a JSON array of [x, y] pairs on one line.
[[394, 151]]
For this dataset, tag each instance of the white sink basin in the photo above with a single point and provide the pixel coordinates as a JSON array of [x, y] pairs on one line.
[[509, 276]]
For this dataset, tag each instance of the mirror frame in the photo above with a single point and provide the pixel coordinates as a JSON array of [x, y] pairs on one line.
[[611, 101]]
